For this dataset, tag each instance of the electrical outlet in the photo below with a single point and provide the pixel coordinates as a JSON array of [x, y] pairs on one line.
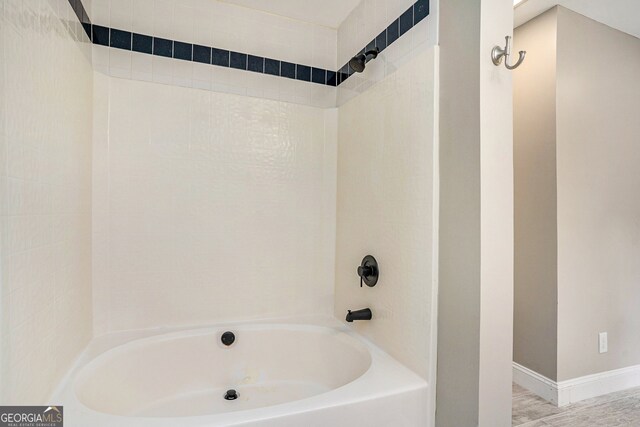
[[602, 342]]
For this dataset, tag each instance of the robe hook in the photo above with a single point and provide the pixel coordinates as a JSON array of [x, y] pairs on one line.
[[497, 53]]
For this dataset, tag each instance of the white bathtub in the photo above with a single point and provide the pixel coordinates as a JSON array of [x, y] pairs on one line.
[[286, 374]]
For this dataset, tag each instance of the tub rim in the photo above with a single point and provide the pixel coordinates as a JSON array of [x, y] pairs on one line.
[[385, 376]]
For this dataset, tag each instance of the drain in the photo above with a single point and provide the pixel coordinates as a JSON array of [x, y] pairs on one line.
[[228, 338], [231, 395]]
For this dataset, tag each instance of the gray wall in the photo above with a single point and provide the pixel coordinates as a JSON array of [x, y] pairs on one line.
[[459, 233], [595, 179], [598, 154], [534, 126]]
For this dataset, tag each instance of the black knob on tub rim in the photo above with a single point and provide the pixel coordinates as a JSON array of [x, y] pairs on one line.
[[228, 338], [368, 271], [231, 395]]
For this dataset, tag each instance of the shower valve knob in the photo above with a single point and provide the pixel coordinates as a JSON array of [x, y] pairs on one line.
[[368, 271]]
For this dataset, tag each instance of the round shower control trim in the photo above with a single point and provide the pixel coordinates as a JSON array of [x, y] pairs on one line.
[[368, 271]]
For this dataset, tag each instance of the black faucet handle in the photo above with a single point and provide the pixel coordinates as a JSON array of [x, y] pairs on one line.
[[368, 271], [364, 271]]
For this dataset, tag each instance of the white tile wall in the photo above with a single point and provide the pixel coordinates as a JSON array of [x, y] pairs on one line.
[[206, 205], [209, 206], [226, 26], [62, 17], [215, 23], [45, 185], [386, 207], [363, 24], [139, 66], [223, 25]]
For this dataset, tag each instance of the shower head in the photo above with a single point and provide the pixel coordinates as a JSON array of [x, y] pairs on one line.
[[358, 62]]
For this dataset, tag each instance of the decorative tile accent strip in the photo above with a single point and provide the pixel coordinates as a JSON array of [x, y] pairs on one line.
[[287, 69], [126, 40], [163, 47], [409, 18], [142, 44], [83, 16], [120, 39], [271, 66], [201, 54], [100, 35]]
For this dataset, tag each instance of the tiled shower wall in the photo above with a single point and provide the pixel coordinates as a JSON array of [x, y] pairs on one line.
[[387, 197], [209, 207], [45, 196], [225, 26], [400, 29], [387, 207], [365, 23]]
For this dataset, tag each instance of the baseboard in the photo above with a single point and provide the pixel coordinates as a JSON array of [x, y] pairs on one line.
[[536, 383], [589, 386], [570, 391]]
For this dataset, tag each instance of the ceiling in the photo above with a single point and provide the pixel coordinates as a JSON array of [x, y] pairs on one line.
[[623, 15], [329, 13]]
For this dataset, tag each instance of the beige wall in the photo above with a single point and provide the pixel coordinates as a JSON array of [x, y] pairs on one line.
[[45, 197], [385, 207], [459, 231], [598, 205], [209, 206], [476, 206], [534, 119], [598, 234], [496, 221]]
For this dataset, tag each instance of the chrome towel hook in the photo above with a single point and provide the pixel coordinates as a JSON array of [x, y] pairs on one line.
[[497, 53]]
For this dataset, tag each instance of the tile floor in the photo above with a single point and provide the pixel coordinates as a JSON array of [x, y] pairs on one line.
[[621, 409]]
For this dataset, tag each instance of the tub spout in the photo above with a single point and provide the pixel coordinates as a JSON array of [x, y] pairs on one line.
[[364, 314]]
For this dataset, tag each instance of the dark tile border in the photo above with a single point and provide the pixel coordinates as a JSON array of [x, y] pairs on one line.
[[409, 18], [255, 64], [142, 43], [288, 70], [201, 54], [303, 72], [83, 16], [100, 35], [183, 51], [272, 66], [220, 57], [163, 47], [120, 39], [238, 60]]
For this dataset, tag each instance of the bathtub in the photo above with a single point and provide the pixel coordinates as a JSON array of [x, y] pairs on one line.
[[285, 374]]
